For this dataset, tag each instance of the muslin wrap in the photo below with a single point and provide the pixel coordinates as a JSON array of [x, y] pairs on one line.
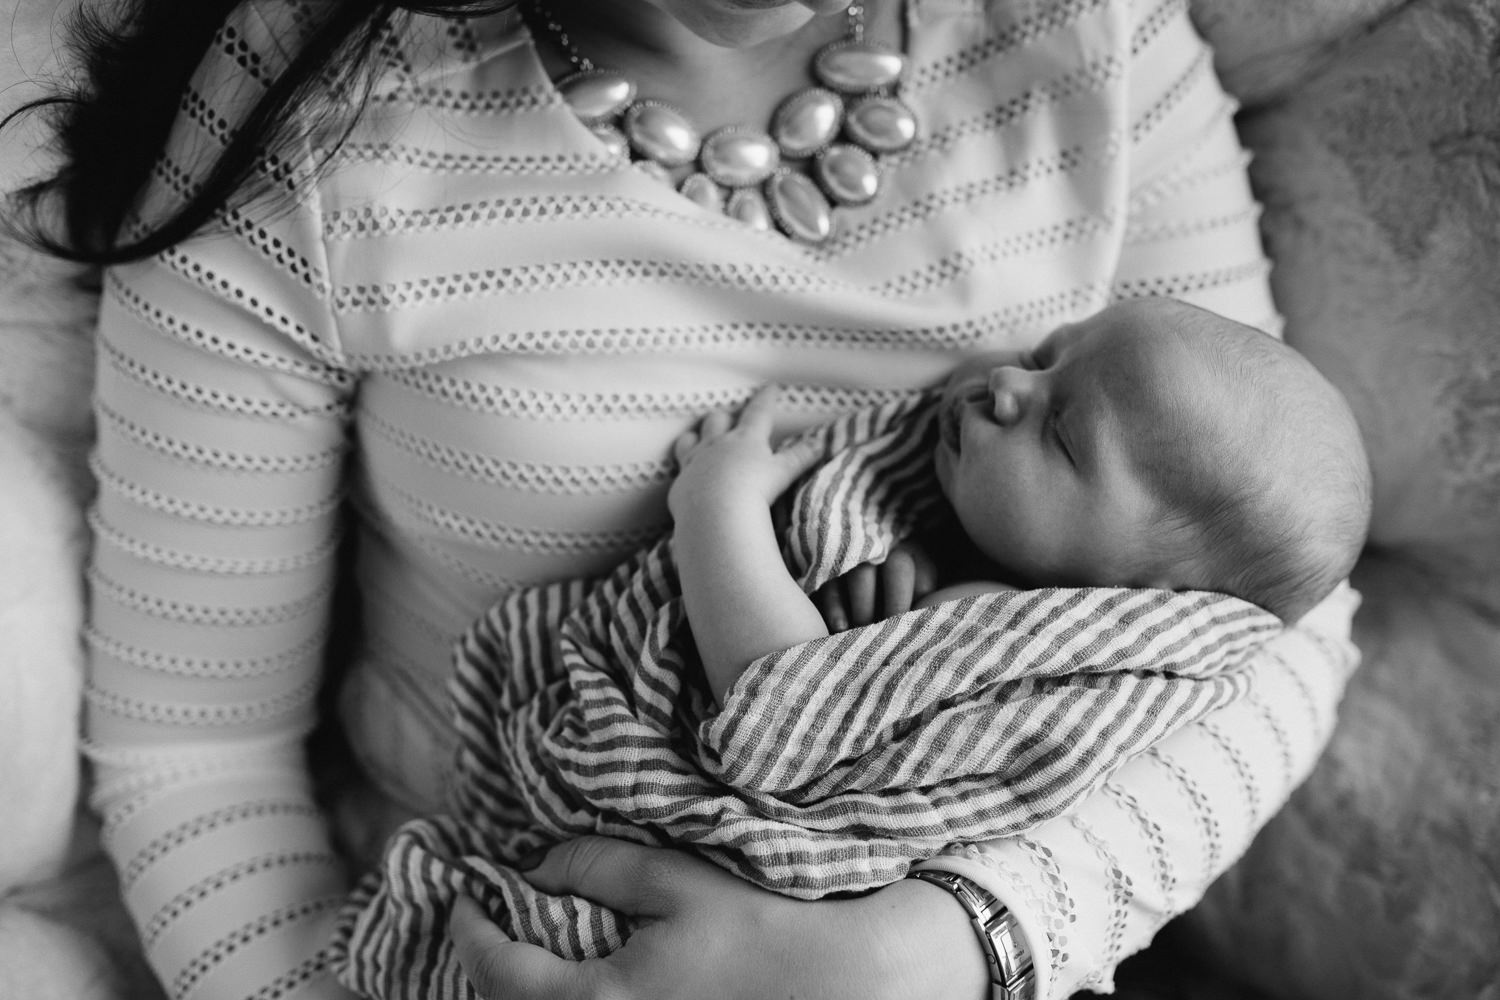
[[833, 765]]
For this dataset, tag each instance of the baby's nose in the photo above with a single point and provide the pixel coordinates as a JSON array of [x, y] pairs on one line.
[[1010, 391]]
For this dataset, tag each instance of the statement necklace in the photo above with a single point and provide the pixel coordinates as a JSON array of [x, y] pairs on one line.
[[836, 131]]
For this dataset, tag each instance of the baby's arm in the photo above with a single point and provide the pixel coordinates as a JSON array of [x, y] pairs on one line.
[[741, 601], [955, 591]]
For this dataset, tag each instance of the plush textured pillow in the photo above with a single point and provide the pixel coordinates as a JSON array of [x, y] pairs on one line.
[[1376, 132]]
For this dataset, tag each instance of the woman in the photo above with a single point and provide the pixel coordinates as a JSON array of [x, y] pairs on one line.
[[443, 310]]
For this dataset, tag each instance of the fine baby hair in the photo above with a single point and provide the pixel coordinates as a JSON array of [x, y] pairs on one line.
[[1158, 444]]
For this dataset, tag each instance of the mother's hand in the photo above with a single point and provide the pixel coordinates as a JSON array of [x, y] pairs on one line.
[[702, 932]]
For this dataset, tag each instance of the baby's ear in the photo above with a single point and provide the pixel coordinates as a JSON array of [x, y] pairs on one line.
[[1187, 566]]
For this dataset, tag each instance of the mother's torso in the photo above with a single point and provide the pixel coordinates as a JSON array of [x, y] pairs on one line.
[[532, 320]]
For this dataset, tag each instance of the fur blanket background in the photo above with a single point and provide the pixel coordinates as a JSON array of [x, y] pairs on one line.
[[1376, 129]]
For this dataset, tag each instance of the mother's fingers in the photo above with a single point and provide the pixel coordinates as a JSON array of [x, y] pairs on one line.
[[641, 881], [498, 967]]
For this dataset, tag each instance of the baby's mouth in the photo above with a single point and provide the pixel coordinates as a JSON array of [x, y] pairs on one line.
[[950, 421]]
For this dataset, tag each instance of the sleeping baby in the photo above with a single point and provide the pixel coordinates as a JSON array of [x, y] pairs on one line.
[[1118, 517], [1155, 444]]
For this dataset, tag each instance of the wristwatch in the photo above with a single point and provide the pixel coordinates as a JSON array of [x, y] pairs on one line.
[[1011, 969]]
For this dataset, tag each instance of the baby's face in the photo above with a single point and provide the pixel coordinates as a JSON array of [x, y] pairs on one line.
[[1038, 449]]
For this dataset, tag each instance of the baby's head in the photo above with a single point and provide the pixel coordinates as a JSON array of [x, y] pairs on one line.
[[1156, 444]]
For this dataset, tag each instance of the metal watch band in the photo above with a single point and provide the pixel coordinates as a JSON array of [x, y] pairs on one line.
[[1011, 968]]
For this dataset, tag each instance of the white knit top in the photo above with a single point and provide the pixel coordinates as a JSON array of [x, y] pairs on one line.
[[470, 339]]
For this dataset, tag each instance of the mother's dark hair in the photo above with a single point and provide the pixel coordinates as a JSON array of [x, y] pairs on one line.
[[134, 60]]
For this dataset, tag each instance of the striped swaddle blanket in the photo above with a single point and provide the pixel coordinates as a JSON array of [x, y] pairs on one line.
[[834, 765]]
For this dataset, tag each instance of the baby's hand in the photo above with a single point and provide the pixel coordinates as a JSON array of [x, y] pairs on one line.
[[870, 592], [729, 458]]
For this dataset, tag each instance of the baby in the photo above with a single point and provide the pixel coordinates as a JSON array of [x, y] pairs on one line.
[[1154, 444]]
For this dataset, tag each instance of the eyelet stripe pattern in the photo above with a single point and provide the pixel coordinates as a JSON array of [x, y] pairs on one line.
[[1203, 815], [1180, 230], [229, 517], [195, 270], [486, 103], [286, 258], [964, 196], [600, 273], [961, 333], [1054, 18], [475, 163], [1187, 84], [523, 539], [198, 826], [1249, 787], [193, 454], [1184, 286], [220, 669], [1151, 832], [1188, 174], [381, 220], [186, 900], [964, 263], [198, 716], [532, 477], [210, 398], [294, 979], [163, 322], [466, 570], [187, 980], [195, 563], [1155, 23], [1033, 101], [1121, 892]]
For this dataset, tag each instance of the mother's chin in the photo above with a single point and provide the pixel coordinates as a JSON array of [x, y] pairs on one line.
[[744, 24]]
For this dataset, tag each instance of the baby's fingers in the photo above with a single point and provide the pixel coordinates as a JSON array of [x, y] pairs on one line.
[[758, 414], [714, 425], [799, 455], [683, 447], [710, 428]]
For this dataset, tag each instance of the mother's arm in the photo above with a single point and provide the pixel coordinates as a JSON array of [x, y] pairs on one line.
[[221, 404], [1094, 887]]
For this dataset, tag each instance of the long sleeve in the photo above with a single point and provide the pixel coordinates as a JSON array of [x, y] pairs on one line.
[[218, 460], [221, 406], [1094, 887]]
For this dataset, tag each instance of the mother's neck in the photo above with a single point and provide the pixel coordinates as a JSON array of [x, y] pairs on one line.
[[627, 30], [715, 84]]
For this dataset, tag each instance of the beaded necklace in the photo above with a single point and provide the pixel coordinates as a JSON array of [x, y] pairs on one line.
[[835, 132]]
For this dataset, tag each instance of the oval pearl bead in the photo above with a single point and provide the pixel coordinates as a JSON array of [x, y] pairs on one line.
[[849, 174], [662, 133], [613, 139], [748, 206], [881, 124], [799, 207], [701, 190], [807, 121], [739, 157], [857, 67], [596, 95]]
